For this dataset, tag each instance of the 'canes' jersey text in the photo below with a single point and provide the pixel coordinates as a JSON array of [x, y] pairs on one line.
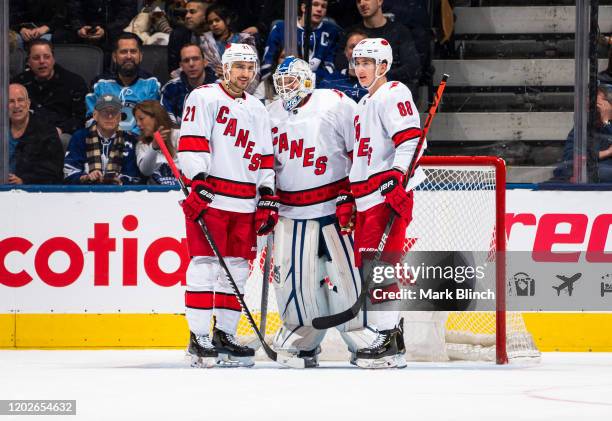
[[229, 139], [387, 136], [312, 149]]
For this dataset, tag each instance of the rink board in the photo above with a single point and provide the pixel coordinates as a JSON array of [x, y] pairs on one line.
[[107, 269]]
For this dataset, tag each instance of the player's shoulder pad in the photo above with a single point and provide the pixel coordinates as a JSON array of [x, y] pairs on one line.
[[394, 89], [255, 102], [275, 105]]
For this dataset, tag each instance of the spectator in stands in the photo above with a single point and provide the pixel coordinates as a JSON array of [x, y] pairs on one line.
[[414, 15], [213, 42], [36, 155], [343, 12], [406, 61], [266, 92], [323, 40], [221, 34], [102, 153], [603, 141], [35, 19], [345, 80], [175, 12], [152, 117], [195, 27], [605, 76], [151, 24], [194, 72], [54, 91], [100, 21], [129, 83]]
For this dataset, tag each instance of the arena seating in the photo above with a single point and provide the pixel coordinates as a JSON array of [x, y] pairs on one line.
[[155, 61], [16, 62], [85, 60], [511, 86]]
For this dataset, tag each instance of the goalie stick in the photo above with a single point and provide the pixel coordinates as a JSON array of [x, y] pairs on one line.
[[286, 360], [265, 288], [325, 322]]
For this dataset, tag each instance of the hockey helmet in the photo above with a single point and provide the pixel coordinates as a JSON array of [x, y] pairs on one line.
[[238, 52], [293, 81], [377, 49]]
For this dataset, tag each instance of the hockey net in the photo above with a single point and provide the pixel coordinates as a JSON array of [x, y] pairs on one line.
[[460, 207]]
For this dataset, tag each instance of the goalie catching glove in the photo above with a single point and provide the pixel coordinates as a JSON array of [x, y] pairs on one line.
[[400, 200], [345, 212], [200, 197], [266, 215]]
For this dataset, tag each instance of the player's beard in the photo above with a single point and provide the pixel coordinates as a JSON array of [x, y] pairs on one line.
[[234, 88]]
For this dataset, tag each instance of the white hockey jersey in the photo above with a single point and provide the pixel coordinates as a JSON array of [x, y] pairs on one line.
[[229, 139], [387, 135], [312, 149]]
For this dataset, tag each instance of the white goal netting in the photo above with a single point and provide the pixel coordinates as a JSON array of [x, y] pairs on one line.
[[456, 209]]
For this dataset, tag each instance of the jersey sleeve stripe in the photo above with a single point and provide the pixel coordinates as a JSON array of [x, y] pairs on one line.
[[406, 135], [194, 144], [202, 300], [267, 162], [366, 187]]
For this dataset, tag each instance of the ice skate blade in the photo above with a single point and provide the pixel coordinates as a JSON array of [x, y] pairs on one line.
[[226, 360], [200, 362], [392, 361]]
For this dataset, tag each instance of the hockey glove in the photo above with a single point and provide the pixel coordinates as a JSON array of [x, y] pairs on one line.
[[266, 215], [196, 204], [400, 200], [345, 212]]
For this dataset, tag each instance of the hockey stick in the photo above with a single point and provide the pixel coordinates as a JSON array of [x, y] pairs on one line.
[[265, 288], [286, 360], [332, 320]]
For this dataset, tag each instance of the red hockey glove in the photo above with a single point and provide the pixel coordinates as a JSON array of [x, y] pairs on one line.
[[266, 215], [396, 196], [196, 204], [345, 212]]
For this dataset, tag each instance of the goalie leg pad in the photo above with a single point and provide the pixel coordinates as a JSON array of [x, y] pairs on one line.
[[344, 278], [227, 307], [297, 272], [201, 277], [293, 339]]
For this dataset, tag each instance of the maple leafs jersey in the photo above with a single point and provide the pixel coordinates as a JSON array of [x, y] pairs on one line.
[[229, 139], [387, 136], [312, 148]]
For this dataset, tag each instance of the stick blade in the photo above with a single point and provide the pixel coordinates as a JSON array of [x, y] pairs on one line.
[[325, 322]]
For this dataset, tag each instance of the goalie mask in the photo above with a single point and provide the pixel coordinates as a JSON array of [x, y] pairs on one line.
[[293, 81], [377, 49], [238, 52]]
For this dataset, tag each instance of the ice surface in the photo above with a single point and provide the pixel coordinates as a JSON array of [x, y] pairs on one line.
[[158, 385]]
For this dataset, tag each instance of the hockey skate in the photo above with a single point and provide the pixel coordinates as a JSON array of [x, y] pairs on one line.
[[386, 351], [201, 353], [231, 352]]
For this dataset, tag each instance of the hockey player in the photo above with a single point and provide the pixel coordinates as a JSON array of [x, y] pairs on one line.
[[388, 145], [313, 138], [225, 148]]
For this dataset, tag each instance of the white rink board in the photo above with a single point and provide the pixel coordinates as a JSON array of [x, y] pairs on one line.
[[38, 218]]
